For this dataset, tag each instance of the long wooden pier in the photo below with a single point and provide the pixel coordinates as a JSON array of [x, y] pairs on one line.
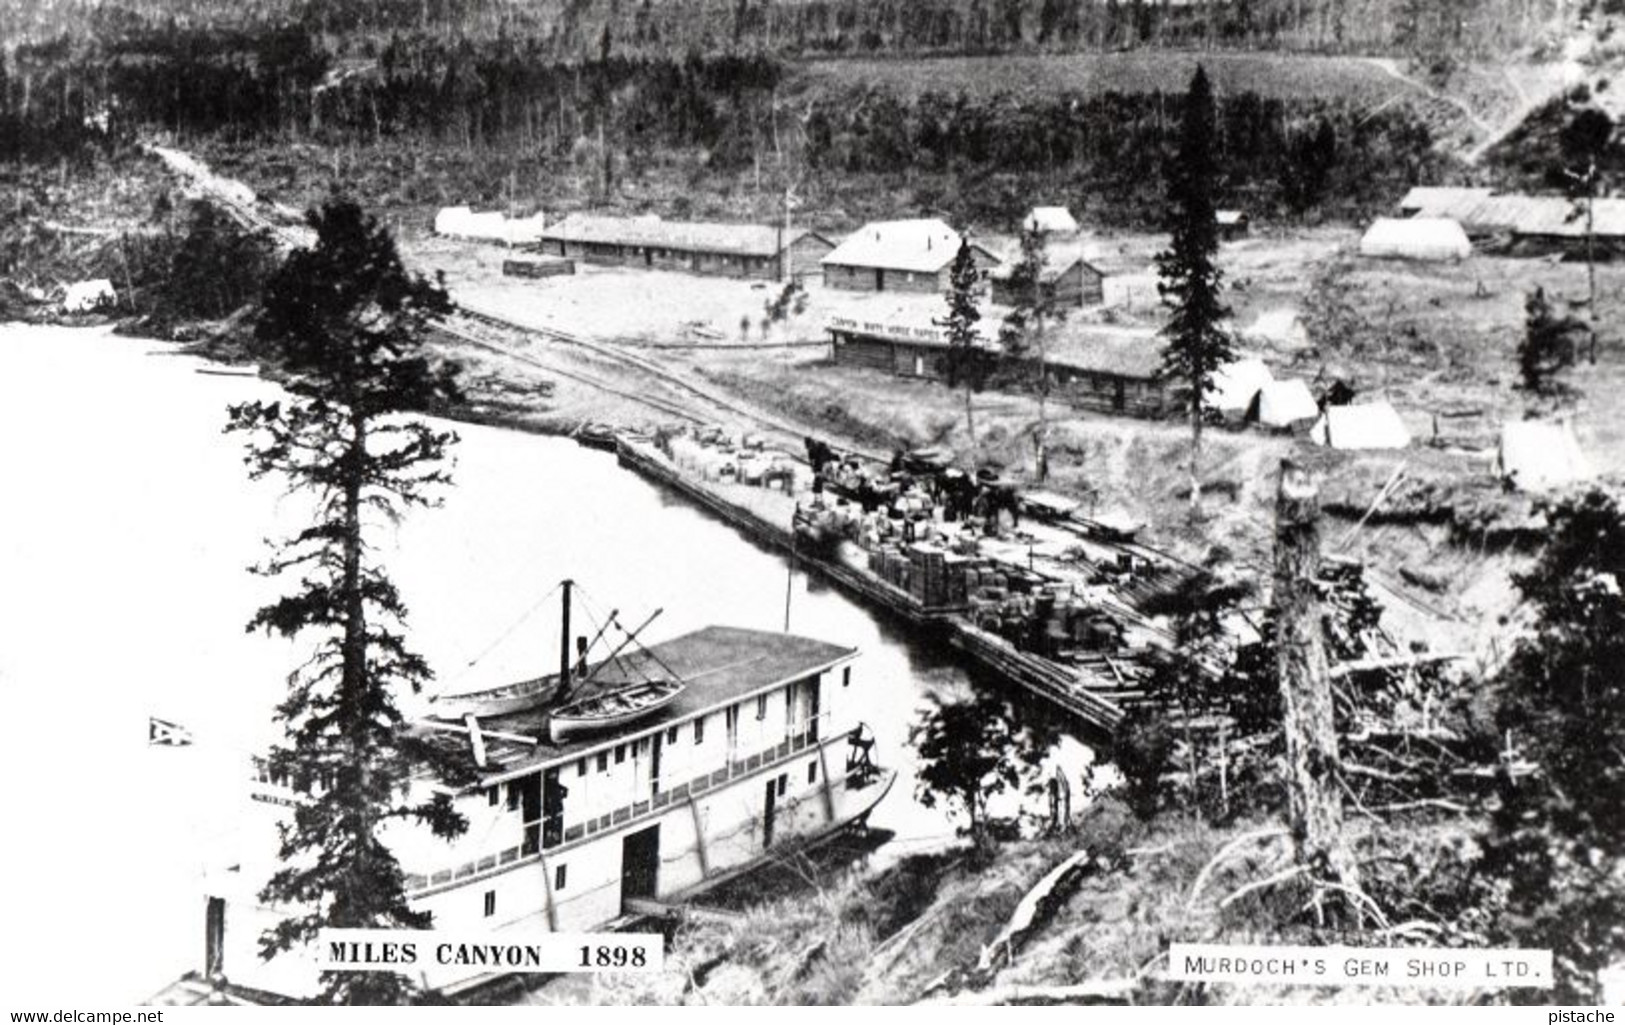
[[1077, 690]]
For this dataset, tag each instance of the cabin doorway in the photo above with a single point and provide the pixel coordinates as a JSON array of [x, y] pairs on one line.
[[769, 808], [880, 280], [640, 865]]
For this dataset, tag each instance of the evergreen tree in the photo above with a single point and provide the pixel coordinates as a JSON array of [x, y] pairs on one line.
[[1187, 678], [1022, 334], [966, 367], [345, 322], [1587, 142], [1547, 344], [969, 751], [1556, 847], [217, 268], [1197, 341]]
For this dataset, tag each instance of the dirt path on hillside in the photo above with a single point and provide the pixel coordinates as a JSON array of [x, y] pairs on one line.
[[1391, 69], [1493, 133]]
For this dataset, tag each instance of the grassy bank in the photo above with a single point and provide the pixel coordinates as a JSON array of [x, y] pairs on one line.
[[917, 931]]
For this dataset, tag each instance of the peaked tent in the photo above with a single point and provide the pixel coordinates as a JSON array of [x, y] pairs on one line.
[[1284, 404], [1416, 238], [1539, 455], [1236, 384], [1372, 425]]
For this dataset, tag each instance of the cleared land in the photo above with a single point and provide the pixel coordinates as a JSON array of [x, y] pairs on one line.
[[1438, 341]]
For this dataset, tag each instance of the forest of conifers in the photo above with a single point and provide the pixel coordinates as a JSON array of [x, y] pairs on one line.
[[634, 82]]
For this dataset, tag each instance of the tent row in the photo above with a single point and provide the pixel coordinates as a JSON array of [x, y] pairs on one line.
[[492, 226], [1246, 390]]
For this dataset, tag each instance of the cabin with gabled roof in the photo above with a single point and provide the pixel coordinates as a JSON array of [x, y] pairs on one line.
[[900, 256]]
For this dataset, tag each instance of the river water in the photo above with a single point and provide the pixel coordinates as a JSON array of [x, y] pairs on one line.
[[126, 525]]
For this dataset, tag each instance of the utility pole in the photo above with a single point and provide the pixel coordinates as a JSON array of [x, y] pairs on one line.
[[1314, 772]]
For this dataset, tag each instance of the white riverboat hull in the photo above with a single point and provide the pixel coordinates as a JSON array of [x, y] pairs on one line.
[[699, 841]]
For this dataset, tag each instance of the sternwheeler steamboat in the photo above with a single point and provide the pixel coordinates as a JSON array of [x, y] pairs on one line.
[[580, 822]]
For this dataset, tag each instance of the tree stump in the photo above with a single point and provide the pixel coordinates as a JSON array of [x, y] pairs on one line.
[[1314, 771]]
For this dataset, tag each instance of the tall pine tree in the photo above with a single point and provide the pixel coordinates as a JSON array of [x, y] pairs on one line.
[[346, 322], [1198, 343], [1022, 334], [965, 362]]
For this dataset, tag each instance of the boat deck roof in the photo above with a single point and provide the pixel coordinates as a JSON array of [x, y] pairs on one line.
[[718, 665]]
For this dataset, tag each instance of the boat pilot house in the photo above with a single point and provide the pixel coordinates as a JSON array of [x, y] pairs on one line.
[[1091, 366], [645, 777]]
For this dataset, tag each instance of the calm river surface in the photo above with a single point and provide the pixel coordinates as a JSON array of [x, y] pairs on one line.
[[126, 524]]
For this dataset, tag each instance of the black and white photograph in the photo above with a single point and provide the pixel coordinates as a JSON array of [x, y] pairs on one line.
[[564, 503]]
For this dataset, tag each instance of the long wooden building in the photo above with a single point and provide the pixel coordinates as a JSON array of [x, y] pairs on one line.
[[1099, 367], [1531, 224], [758, 251]]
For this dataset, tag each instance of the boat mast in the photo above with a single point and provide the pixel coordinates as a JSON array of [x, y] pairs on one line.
[[564, 642]]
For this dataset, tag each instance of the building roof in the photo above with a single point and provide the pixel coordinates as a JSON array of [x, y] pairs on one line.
[[1442, 200], [1107, 349], [1481, 210], [693, 236], [718, 664], [924, 245], [1560, 217], [1058, 260], [1416, 238], [1230, 218], [1092, 348], [1539, 455], [1370, 425], [1057, 219]]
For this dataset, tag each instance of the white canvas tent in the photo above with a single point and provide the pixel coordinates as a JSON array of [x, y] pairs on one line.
[[85, 296], [1416, 238], [492, 226], [1281, 329], [1539, 455], [1372, 425], [1236, 384], [520, 231], [1285, 404], [1054, 220], [452, 220]]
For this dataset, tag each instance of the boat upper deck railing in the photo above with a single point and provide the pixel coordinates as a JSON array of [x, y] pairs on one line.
[[664, 791]]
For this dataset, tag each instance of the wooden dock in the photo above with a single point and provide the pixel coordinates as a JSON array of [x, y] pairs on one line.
[[1094, 699]]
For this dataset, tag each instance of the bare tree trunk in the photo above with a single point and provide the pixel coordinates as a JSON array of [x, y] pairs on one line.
[[970, 422], [1041, 470], [1196, 452], [1591, 265], [1314, 771]]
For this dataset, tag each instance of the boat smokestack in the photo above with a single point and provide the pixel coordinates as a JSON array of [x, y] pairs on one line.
[[581, 655], [564, 644]]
